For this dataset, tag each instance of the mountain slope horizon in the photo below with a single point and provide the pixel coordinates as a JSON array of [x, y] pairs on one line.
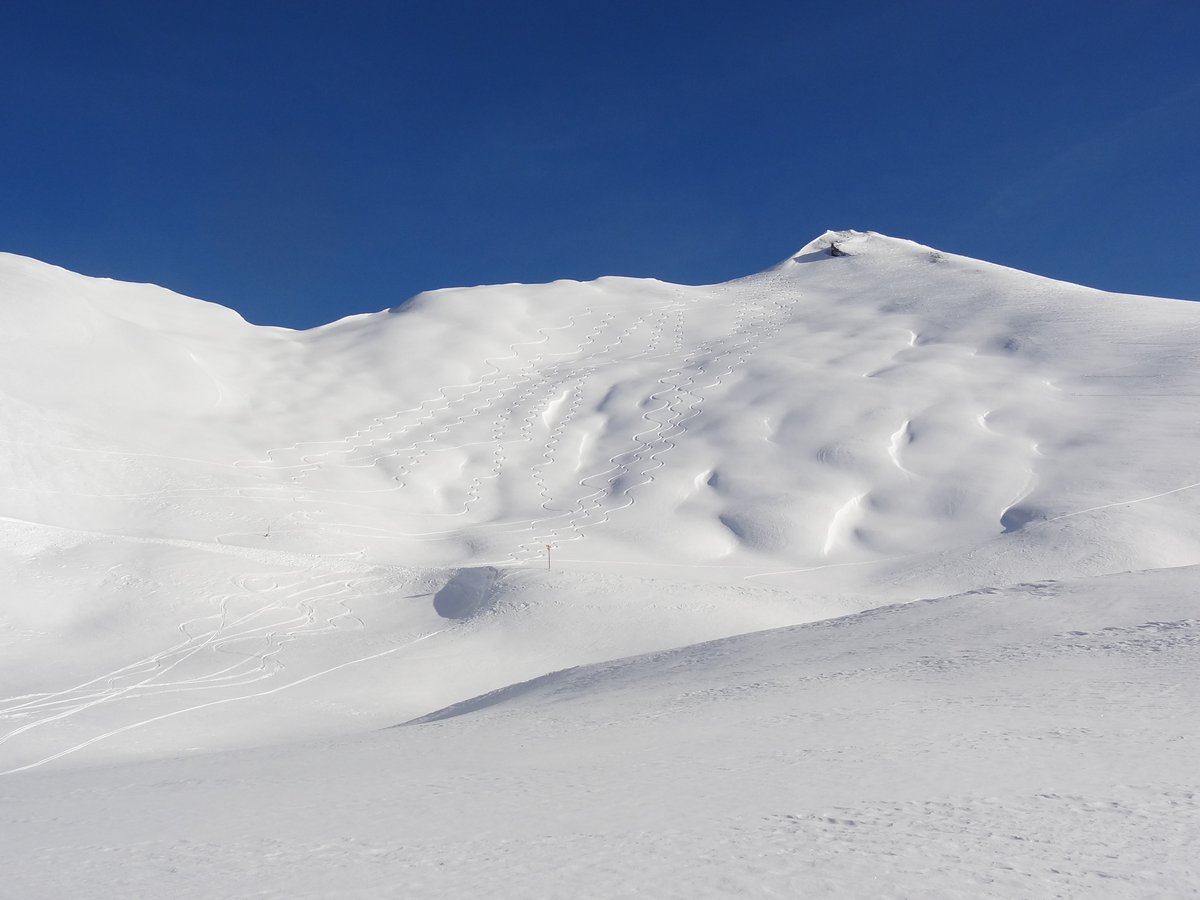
[[869, 422], [575, 368]]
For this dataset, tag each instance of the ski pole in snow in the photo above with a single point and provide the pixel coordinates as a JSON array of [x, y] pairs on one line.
[[547, 557]]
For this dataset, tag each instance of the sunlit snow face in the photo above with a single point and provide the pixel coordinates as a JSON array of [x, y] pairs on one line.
[[216, 526]]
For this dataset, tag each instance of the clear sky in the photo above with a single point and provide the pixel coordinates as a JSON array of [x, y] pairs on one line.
[[301, 161]]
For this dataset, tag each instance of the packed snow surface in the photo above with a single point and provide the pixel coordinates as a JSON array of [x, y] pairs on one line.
[[235, 556]]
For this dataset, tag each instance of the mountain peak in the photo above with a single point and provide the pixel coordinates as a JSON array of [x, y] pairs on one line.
[[848, 243]]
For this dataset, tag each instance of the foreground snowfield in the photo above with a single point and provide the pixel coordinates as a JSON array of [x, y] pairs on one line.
[[1033, 741], [234, 556]]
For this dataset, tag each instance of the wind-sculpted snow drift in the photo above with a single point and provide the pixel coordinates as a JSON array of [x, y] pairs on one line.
[[216, 535]]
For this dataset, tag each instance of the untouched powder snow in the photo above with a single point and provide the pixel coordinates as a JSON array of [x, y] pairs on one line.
[[221, 543]]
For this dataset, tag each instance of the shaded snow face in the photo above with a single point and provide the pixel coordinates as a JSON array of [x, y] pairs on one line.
[[467, 593]]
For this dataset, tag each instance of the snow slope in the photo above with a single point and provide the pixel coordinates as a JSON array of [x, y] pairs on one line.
[[1033, 741], [878, 408], [219, 537]]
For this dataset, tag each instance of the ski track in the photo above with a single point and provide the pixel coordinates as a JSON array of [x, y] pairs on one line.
[[291, 606], [219, 702], [1080, 512]]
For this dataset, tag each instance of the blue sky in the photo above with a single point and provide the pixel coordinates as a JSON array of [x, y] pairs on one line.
[[301, 161]]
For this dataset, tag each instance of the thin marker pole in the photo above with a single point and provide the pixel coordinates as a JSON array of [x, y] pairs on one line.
[[547, 557]]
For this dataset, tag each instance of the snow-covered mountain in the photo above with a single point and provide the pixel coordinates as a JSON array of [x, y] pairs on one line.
[[218, 537]]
